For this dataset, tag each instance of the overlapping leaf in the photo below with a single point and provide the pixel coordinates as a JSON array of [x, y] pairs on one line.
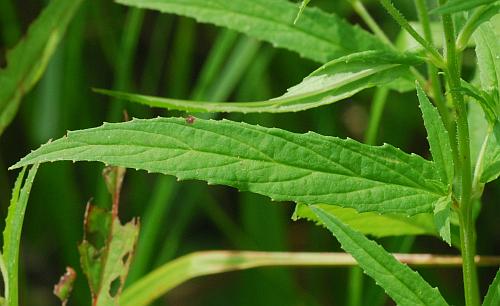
[[437, 135], [493, 295], [335, 81], [403, 285], [318, 36], [455, 6], [27, 61], [306, 168], [488, 60], [370, 223]]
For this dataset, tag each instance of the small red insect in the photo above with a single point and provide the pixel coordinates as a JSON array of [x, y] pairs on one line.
[[190, 119]]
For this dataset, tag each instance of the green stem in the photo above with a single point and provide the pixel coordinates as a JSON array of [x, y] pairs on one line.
[[376, 112], [360, 9], [467, 231], [355, 287], [401, 20]]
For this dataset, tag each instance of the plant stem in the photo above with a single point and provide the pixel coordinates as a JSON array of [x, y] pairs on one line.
[[376, 112], [401, 20], [360, 9], [467, 235]]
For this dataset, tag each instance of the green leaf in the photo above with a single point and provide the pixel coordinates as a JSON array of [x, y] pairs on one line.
[[455, 6], [492, 297], [29, 58], [335, 81], [12, 232], [492, 156], [318, 36], [442, 217], [305, 168], [402, 284], [439, 140], [371, 223], [488, 59]]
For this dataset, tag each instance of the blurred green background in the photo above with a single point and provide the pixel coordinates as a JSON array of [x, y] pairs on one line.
[[111, 46]]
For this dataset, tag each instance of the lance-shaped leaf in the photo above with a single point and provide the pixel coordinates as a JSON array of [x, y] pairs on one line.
[[335, 81], [492, 297], [318, 36], [305, 168], [437, 135], [27, 61], [402, 284], [492, 155], [442, 218], [371, 223], [488, 60], [455, 6], [12, 233]]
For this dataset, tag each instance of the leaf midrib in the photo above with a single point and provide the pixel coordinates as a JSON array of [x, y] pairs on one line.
[[272, 161]]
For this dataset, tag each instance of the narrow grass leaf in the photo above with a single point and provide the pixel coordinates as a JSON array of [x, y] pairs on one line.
[[335, 81], [272, 21], [29, 58], [171, 274], [492, 297], [402, 284], [12, 232], [370, 223], [455, 6], [437, 135], [305, 168]]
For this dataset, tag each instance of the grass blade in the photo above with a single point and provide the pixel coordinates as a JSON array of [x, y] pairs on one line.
[[172, 274], [12, 233], [29, 58]]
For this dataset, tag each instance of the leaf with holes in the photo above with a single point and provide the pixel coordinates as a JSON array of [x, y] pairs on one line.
[[106, 253]]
